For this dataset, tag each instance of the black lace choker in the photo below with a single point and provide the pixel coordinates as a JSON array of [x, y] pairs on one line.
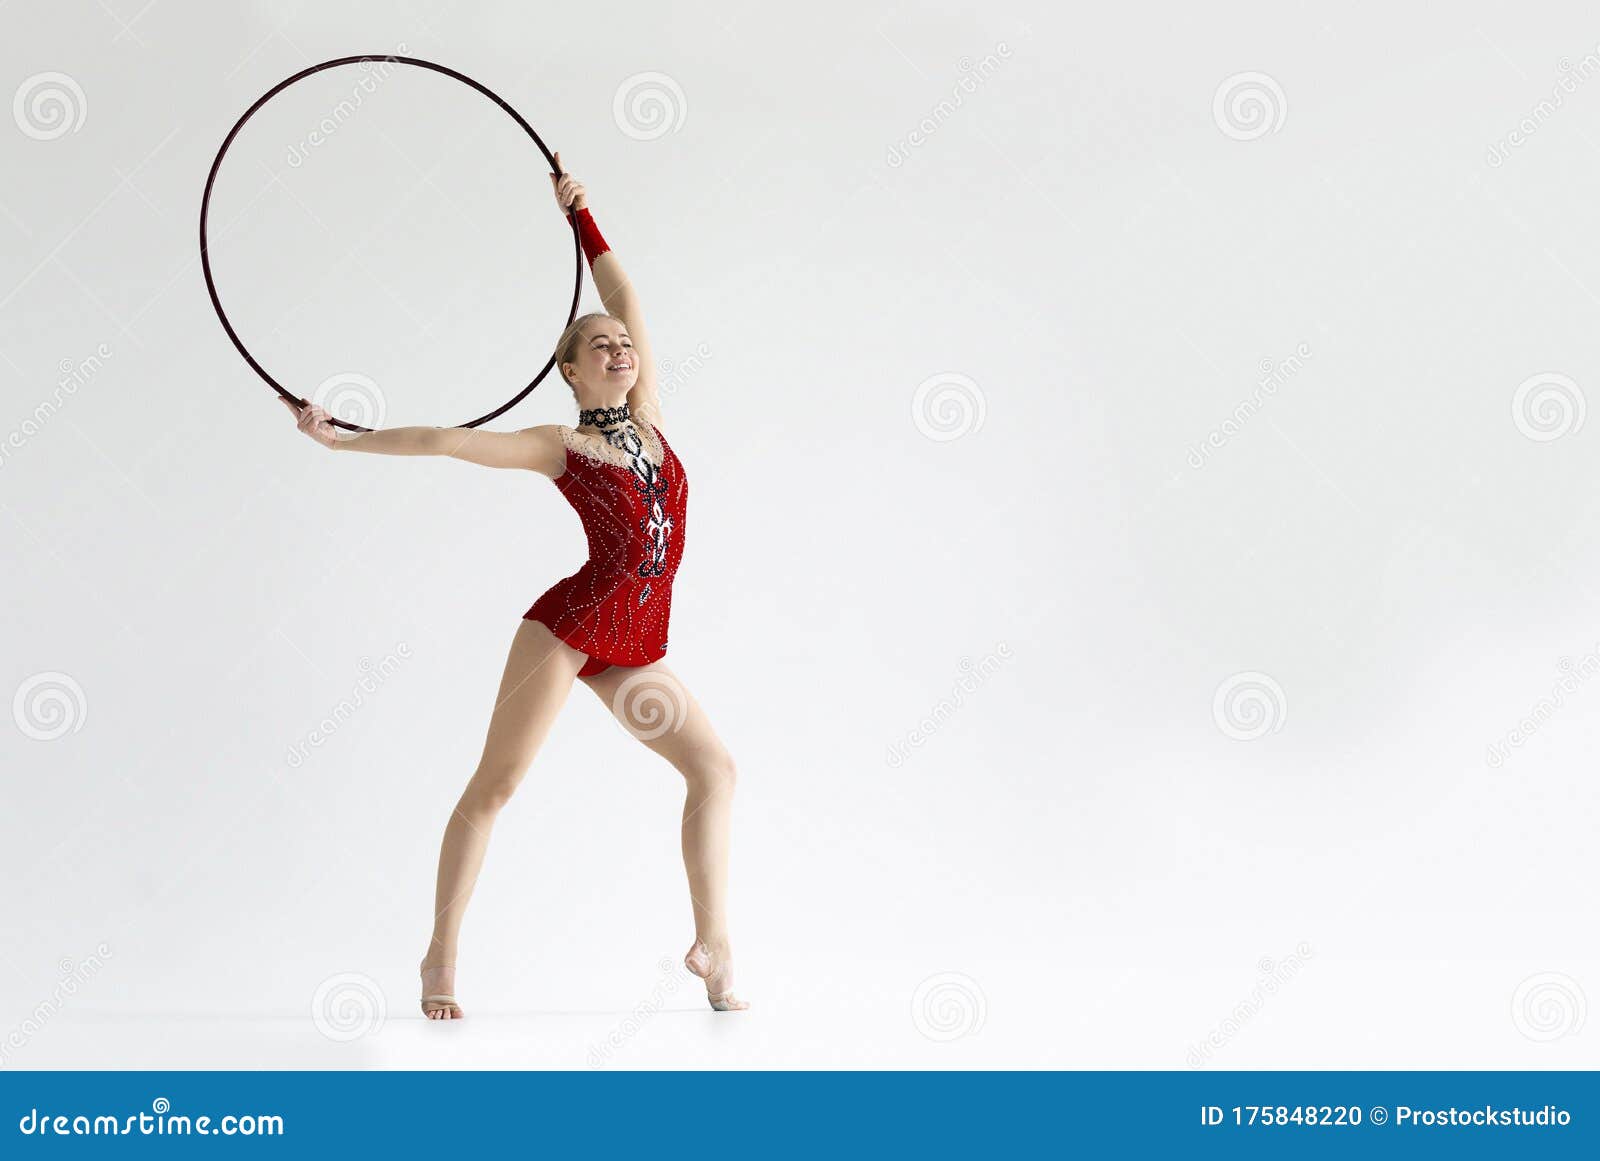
[[603, 416]]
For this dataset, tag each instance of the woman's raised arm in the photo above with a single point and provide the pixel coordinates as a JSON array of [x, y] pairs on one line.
[[620, 299], [617, 296]]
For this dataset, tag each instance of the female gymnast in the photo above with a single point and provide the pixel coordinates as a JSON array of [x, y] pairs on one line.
[[606, 624]]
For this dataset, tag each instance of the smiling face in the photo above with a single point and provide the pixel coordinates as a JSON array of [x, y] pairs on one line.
[[602, 367]]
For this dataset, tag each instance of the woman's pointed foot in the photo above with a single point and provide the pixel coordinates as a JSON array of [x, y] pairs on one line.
[[438, 981], [715, 966]]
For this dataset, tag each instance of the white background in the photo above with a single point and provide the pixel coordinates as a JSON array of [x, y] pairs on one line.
[[1087, 262]]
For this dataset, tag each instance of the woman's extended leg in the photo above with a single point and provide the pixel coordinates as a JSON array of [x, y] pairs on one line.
[[658, 709], [537, 679]]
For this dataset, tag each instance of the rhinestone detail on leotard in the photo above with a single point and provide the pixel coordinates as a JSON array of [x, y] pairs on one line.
[[616, 608]]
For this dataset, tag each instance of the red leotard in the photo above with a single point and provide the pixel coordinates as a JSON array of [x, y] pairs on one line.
[[615, 608]]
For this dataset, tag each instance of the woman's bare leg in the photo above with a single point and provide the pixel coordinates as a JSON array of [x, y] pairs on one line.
[[659, 710], [537, 679]]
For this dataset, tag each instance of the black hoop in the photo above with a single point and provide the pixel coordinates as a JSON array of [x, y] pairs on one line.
[[211, 178]]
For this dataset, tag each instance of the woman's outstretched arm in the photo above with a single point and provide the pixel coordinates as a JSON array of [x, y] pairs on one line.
[[617, 295], [537, 449]]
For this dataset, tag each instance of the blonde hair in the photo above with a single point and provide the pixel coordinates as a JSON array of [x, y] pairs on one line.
[[567, 344]]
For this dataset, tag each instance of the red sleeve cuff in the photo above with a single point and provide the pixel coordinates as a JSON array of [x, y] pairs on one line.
[[589, 234]]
